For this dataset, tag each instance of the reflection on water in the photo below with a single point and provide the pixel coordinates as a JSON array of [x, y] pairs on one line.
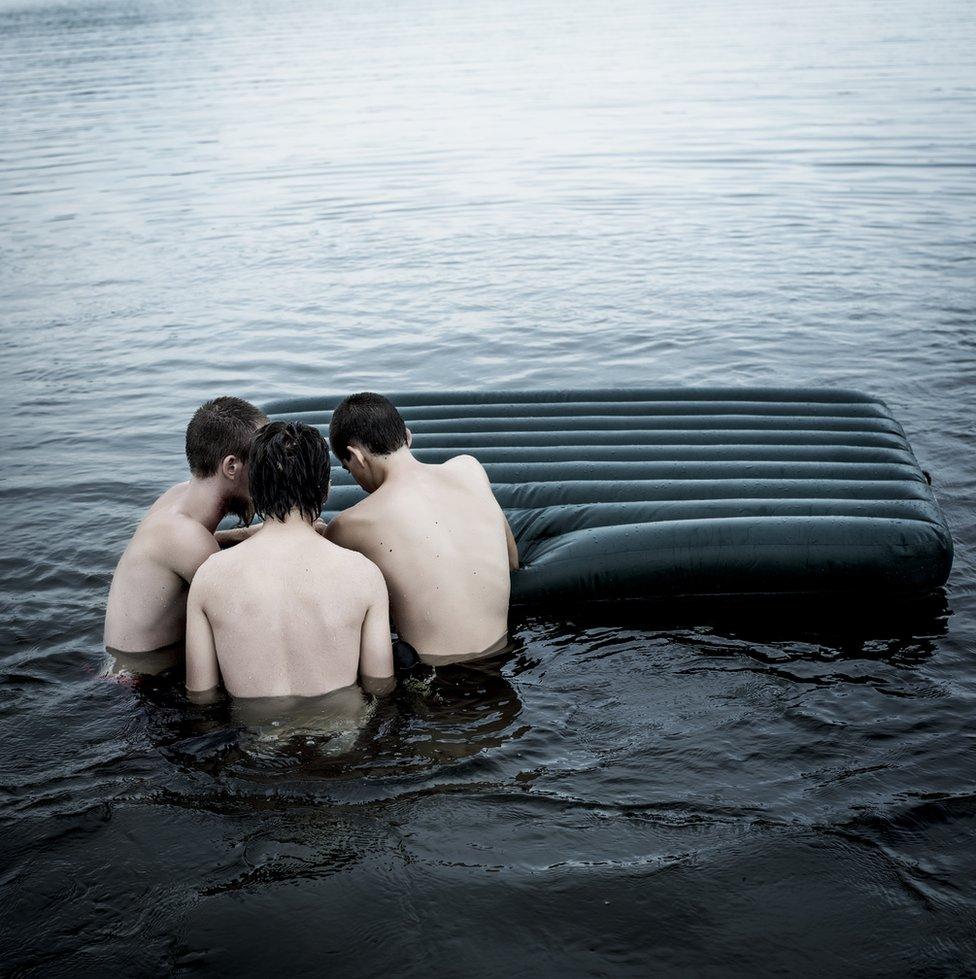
[[778, 630], [232, 198]]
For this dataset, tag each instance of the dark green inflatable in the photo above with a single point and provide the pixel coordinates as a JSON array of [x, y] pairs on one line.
[[701, 491]]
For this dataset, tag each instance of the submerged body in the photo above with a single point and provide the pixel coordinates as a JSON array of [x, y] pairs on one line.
[[147, 600], [287, 613], [335, 715], [443, 544]]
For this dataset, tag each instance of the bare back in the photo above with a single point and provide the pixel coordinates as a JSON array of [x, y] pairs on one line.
[[286, 613], [439, 537], [147, 599]]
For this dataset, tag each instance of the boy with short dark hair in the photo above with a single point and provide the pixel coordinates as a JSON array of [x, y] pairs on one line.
[[147, 600], [435, 531]]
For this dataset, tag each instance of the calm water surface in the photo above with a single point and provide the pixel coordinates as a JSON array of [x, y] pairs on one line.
[[281, 199]]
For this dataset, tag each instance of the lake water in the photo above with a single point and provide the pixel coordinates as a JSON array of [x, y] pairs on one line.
[[199, 198]]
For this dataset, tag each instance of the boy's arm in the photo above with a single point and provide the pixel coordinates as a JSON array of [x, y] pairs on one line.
[[375, 645], [471, 462], [202, 668], [345, 530], [513, 554], [228, 538], [186, 545]]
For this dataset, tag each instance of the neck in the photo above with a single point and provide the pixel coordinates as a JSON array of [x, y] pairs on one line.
[[394, 466], [294, 523], [205, 501]]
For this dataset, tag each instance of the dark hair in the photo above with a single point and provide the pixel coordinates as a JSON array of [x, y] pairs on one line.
[[289, 471], [369, 420], [220, 428]]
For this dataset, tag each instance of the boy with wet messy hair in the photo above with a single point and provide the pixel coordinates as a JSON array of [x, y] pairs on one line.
[[287, 613]]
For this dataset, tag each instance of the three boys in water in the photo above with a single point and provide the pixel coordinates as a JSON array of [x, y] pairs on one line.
[[297, 607]]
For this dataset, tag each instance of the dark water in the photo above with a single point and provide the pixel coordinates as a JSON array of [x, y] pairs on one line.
[[283, 199]]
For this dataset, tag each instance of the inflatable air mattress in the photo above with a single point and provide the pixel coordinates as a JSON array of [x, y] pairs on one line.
[[644, 494]]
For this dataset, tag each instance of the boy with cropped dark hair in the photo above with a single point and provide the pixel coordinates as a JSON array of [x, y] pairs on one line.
[[435, 531], [147, 600], [219, 428], [287, 612], [369, 420]]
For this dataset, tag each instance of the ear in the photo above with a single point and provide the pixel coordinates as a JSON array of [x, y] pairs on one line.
[[355, 452], [231, 467], [409, 438]]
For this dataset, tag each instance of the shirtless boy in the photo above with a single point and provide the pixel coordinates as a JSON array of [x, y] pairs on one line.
[[147, 601], [287, 612], [436, 532]]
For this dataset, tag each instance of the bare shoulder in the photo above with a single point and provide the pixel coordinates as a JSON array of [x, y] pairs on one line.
[[350, 524], [211, 572], [467, 467], [357, 564], [169, 497], [373, 580], [356, 568], [177, 529], [177, 542]]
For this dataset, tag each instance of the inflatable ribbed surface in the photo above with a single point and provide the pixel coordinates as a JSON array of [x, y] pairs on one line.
[[658, 492]]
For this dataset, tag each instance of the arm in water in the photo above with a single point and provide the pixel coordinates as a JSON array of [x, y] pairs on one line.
[[202, 669], [376, 647]]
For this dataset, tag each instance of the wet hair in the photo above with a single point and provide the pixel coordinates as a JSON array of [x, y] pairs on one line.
[[369, 420], [289, 471], [220, 428]]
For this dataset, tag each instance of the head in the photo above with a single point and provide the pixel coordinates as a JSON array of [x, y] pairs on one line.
[[289, 471], [218, 446], [365, 430]]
